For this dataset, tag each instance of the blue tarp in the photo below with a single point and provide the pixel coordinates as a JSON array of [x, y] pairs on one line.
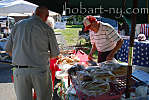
[[112, 22]]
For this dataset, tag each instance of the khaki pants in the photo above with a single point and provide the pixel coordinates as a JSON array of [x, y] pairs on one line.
[[27, 78]]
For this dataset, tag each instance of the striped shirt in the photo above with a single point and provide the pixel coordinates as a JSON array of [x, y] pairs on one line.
[[106, 37], [145, 29]]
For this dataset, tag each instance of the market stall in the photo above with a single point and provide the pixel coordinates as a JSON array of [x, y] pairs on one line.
[[65, 89], [82, 80], [100, 79]]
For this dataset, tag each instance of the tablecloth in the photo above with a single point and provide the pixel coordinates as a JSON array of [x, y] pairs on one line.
[[141, 52]]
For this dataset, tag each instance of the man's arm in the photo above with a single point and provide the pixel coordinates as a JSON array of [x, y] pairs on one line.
[[53, 45], [93, 49], [10, 53], [8, 45], [117, 47]]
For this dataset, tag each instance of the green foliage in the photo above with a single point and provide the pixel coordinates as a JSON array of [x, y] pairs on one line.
[[71, 36], [74, 26], [75, 20]]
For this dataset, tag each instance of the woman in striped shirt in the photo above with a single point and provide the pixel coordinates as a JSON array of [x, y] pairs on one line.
[[104, 39]]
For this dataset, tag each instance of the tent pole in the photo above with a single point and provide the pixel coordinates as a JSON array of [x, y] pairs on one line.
[[130, 53], [7, 24], [148, 9], [123, 5]]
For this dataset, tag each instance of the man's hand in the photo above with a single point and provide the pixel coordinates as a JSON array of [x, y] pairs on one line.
[[110, 57], [10, 53], [90, 56]]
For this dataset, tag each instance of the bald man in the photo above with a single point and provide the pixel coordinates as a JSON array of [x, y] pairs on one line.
[[31, 43]]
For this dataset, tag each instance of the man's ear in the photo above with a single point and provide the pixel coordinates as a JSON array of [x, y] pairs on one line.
[[37, 12]]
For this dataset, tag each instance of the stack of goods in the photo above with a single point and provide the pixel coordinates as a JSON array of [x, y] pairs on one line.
[[63, 75], [74, 69], [64, 63], [71, 59], [67, 52], [115, 68], [95, 80]]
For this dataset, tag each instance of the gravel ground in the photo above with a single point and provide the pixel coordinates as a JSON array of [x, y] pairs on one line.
[[7, 91]]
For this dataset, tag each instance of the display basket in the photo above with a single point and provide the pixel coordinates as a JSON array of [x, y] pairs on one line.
[[117, 88]]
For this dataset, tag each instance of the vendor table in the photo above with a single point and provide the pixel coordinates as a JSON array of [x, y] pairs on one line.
[[140, 52], [65, 89], [117, 87]]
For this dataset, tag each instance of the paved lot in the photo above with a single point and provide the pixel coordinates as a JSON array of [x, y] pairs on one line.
[[7, 91], [6, 86]]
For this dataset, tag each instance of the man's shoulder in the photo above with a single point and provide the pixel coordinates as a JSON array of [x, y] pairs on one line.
[[106, 26], [22, 21]]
